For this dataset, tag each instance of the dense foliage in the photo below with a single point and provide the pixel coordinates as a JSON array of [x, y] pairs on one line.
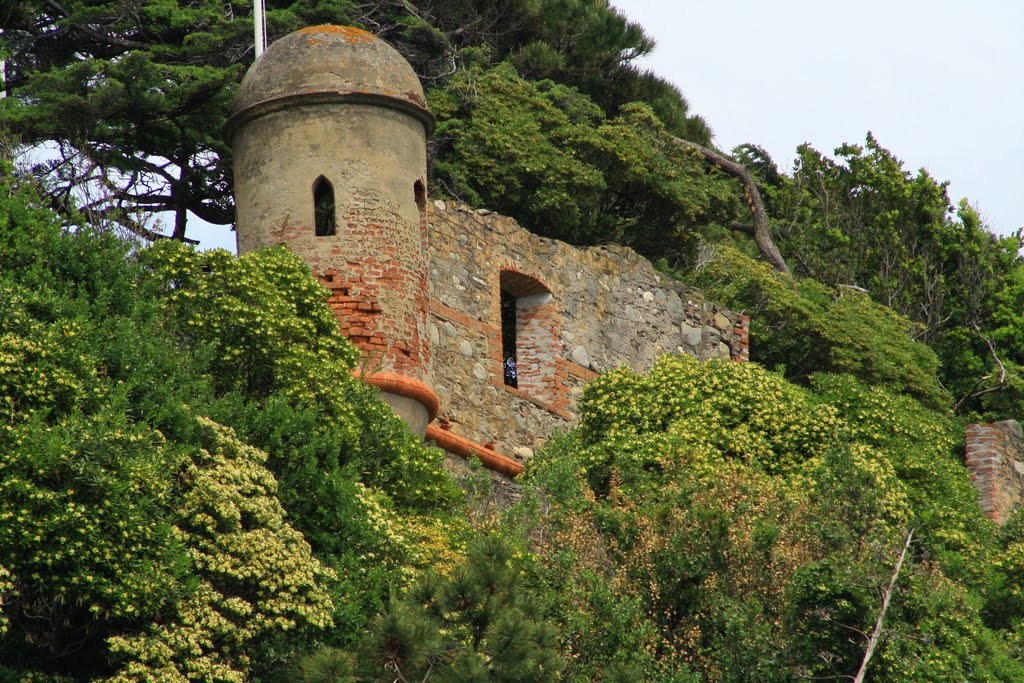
[[476, 624], [194, 485], [198, 490], [548, 155], [801, 326], [862, 221], [749, 525]]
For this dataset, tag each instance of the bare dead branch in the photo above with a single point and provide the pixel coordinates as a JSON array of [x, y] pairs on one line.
[[1001, 384], [854, 288], [876, 634]]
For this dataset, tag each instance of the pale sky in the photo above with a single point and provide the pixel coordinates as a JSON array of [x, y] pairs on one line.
[[939, 82]]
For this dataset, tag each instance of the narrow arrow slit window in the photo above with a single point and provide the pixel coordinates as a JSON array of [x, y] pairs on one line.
[[323, 207]]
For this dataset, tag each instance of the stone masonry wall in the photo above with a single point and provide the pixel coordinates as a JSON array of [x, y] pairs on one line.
[[995, 457], [579, 311]]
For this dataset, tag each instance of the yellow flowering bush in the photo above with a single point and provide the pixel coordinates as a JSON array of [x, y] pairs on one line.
[[921, 446], [6, 588], [721, 408], [350, 474], [714, 521], [262, 315], [83, 505], [42, 366], [257, 578]]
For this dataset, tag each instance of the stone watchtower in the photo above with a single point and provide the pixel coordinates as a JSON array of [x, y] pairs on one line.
[[329, 134]]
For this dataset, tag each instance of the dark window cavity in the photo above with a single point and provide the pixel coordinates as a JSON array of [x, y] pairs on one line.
[[529, 334], [508, 338], [323, 207], [420, 193]]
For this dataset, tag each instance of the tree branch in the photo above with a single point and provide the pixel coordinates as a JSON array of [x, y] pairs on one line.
[[96, 35], [855, 288], [762, 233], [988, 390], [886, 598], [133, 226]]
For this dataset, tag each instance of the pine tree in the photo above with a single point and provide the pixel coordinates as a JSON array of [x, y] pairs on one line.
[[476, 624]]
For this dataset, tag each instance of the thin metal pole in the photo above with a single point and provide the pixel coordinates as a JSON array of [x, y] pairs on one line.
[[258, 27], [3, 74]]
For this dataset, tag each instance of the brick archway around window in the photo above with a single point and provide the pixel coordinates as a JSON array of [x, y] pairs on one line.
[[531, 329]]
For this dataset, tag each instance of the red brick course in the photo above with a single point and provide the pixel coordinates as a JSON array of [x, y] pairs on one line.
[[467, 448], [389, 340], [994, 453], [742, 354]]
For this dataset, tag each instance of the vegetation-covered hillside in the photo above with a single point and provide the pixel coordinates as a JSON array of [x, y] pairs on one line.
[[194, 486]]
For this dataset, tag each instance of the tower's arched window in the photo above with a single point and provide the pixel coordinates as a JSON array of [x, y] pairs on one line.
[[420, 193], [323, 207]]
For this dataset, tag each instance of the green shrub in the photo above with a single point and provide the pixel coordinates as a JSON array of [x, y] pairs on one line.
[[720, 408], [801, 327], [546, 154], [733, 525]]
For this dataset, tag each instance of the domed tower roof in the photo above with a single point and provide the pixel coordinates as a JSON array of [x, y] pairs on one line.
[[327, 64]]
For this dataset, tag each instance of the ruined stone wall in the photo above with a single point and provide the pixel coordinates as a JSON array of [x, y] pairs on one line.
[[580, 312], [995, 457]]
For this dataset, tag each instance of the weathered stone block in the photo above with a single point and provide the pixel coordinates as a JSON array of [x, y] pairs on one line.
[[691, 335], [581, 357]]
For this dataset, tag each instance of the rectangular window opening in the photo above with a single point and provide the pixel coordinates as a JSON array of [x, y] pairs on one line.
[[508, 338]]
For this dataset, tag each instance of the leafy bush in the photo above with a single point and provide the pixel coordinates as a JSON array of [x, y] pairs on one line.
[[477, 624], [801, 326], [923, 447], [254, 579], [744, 527], [716, 407], [545, 154]]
